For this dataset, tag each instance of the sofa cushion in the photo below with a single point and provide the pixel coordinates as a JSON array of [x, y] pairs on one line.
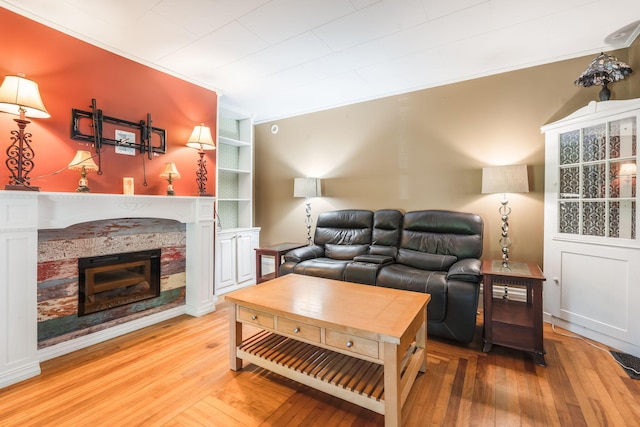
[[344, 251], [425, 261], [344, 227], [387, 224], [443, 232]]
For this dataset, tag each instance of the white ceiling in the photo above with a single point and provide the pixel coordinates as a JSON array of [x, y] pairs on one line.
[[280, 58]]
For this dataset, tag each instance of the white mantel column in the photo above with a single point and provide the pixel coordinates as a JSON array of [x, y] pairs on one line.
[[18, 286], [200, 278]]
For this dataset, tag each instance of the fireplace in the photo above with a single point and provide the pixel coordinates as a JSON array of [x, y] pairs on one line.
[[110, 281], [23, 214]]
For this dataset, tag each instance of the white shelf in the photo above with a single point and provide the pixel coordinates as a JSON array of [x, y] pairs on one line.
[[233, 142], [238, 171]]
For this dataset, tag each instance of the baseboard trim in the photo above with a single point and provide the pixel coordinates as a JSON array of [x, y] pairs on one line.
[[20, 374], [107, 334]]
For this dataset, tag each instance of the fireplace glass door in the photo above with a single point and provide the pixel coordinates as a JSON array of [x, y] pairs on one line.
[[116, 280]]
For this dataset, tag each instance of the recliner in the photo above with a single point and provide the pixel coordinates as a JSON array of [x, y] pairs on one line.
[[432, 251]]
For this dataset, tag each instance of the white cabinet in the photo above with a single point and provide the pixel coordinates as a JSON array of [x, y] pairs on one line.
[[591, 247], [235, 259], [236, 238]]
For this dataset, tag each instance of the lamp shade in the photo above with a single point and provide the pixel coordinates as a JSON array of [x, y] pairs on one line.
[[307, 187], [170, 171], [505, 179], [602, 70], [83, 159], [201, 138], [20, 94]]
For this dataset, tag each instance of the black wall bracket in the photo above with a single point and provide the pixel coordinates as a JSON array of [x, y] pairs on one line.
[[152, 139]]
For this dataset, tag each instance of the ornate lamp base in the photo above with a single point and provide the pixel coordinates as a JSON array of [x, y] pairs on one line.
[[21, 187]]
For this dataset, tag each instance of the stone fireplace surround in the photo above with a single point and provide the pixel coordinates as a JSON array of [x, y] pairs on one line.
[[23, 213]]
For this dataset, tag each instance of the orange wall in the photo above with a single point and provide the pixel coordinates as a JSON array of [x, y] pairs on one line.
[[70, 73]]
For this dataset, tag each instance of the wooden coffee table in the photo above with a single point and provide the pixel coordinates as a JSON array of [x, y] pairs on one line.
[[361, 343]]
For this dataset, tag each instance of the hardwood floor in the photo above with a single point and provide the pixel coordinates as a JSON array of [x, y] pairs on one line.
[[177, 374]]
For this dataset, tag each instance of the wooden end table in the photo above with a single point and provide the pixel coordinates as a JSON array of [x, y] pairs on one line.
[[512, 323], [276, 251]]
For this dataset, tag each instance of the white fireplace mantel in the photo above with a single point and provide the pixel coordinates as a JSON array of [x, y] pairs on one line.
[[23, 213]]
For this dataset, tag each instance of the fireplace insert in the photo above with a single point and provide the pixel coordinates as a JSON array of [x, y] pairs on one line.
[[115, 280]]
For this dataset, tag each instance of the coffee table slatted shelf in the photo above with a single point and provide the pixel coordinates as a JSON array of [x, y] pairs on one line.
[[354, 379]]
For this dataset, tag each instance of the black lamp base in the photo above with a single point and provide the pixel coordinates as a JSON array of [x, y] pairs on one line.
[[605, 93]]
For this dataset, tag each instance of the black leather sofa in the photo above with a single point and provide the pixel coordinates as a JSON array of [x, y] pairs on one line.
[[432, 251]]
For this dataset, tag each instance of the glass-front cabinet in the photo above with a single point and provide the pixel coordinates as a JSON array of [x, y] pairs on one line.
[[597, 179], [591, 245]]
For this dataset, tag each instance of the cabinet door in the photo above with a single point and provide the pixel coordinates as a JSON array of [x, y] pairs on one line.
[[245, 257], [226, 261]]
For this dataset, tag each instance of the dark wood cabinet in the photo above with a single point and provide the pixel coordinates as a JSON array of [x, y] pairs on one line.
[[508, 322]]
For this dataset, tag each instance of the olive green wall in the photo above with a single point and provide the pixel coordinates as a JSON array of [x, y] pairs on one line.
[[426, 150]]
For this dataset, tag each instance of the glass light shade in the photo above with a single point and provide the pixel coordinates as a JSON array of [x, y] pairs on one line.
[[83, 159], [170, 171], [602, 70], [18, 93], [201, 138], [307, 187], [505, 179]]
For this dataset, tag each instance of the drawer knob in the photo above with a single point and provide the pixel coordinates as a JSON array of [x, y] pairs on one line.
[[296, 330], [349, 344], [254, 317]]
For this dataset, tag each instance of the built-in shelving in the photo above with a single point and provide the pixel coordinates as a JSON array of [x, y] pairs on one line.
[[234, 170], [236, 237]]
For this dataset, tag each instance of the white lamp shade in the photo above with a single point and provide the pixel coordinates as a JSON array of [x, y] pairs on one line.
[[83, 159], [18, 93], [307, 187], [170, 171], [505, 179], [201, 138]]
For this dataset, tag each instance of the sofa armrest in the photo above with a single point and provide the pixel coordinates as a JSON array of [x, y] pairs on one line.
[[467, 270], [304, 253]]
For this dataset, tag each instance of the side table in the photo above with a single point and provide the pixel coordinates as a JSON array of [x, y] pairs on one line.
[[512, 323], [275, 251]]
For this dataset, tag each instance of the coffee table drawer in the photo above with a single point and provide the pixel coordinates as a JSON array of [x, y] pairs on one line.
[[255, 317], [298, 329], [353, 343]]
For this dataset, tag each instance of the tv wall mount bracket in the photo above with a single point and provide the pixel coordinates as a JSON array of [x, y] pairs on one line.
[[96, 121]]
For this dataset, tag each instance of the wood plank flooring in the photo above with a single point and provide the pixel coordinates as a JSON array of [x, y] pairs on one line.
[[177, 373]]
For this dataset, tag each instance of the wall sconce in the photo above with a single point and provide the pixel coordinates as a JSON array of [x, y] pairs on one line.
[[604, 69], [170, 173], [83, 162], [308, 188], [201, 139], [21, 96], [505, 179]]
